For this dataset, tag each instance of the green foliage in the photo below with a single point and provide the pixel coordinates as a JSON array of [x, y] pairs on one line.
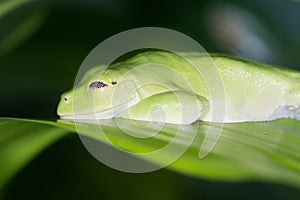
[[45, 64], [19, 19], [266, 151], [20, 141]]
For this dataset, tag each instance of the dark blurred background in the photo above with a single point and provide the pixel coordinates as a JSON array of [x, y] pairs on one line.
[[42, 45]]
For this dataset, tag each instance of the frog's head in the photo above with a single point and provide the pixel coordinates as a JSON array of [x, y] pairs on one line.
[[99, 96]]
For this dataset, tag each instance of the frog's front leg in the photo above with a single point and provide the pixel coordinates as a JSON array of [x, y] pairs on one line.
[[174, 107]]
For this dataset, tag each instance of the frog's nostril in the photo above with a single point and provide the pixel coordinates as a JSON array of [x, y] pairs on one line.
[[66, 99]]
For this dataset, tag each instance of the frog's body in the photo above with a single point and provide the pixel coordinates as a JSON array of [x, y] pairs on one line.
[[143, 88]]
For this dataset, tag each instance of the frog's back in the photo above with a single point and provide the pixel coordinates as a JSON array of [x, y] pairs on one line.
[[184, 71], [252, 90]]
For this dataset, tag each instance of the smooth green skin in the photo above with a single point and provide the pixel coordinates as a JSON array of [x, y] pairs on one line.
[[179, 94]]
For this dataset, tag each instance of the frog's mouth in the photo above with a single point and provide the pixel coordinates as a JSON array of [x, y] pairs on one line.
[[107, 113]]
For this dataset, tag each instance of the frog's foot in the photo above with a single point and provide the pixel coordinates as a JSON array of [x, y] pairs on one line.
[[286, 112], [174, 107], [294, 112]]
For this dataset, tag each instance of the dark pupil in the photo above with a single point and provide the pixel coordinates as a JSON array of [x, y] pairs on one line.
[[97, 84]]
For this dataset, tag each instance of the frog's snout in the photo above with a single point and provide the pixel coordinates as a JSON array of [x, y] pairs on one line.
[[65, 105], [66, 98]]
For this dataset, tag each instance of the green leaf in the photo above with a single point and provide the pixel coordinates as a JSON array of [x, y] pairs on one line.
[[264, 151], [21, 141], [18, 20]]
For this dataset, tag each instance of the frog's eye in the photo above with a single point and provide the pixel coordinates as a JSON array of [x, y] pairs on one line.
[[114, 83], [98, 84]]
